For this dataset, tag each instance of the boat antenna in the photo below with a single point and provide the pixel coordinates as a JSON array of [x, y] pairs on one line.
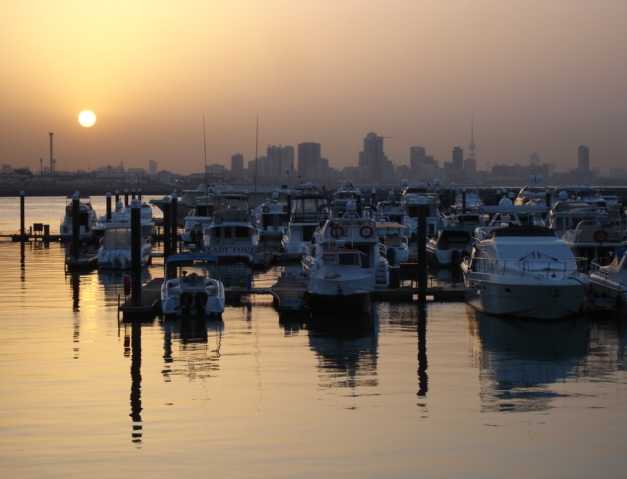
[[256, 150], [204, 141]]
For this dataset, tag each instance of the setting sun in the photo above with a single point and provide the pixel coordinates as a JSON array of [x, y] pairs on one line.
[[86, 118]]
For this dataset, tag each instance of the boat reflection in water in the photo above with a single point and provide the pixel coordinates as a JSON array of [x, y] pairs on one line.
[[346, 349], [191, 347], [520, 360]]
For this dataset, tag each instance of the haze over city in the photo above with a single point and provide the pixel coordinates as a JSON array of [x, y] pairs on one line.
[[536, 76]]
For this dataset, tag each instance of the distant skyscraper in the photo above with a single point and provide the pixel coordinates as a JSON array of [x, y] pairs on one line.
[[534, 159], [152, 167], [373, 164], [237, 163], [280, 158], [583, 164], [309, 155], [417, 155], [471, 147], [458, 158]]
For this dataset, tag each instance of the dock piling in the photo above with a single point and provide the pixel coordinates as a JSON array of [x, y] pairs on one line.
[[136, 239]]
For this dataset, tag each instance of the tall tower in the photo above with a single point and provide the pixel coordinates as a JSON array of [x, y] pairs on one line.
[[51, 157], [471, 147]]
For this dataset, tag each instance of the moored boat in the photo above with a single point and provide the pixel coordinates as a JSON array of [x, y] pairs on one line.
[[231, 235], [608, 282], [527, 272], [344, 263], [188, 289], [115, 251]]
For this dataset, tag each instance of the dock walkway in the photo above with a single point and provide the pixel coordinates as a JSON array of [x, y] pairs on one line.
[[288, 293]]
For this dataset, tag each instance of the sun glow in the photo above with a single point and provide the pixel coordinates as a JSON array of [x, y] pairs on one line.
[[86, 118]]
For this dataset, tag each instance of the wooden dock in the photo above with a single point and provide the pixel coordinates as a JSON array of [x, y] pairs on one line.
[[148, 303], [288, 293]]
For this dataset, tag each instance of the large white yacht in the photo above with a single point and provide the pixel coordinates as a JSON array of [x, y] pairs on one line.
[[525, 271]]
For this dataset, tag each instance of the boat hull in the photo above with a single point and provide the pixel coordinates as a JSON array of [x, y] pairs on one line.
[[541, 301]]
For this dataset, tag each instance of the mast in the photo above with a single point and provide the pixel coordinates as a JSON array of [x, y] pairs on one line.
[[256, 149], [471, 147]]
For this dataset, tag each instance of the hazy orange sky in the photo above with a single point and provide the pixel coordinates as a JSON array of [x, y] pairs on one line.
[[539, 76]]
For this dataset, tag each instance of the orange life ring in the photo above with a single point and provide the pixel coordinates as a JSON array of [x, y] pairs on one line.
[[266, 209], [366, 231], [600, 236], [337, 231]]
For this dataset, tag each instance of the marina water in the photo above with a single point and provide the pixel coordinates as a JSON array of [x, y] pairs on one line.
[[438, 391]]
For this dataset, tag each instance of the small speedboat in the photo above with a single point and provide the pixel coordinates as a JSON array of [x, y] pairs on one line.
[[188, 289]]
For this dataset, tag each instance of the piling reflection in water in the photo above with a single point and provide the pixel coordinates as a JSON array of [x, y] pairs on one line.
[[136, 381]]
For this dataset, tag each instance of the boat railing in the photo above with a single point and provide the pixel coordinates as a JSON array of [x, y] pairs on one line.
[[538, 269], [597, 263]]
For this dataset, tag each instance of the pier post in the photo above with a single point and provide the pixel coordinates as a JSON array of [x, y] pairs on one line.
[[125, 197], [167, 210], [22, 214], [174, 223], [139, 194], [108, 208], [76, 225], [422, 247], [117, 196], [136, 253], [132, 194], [464, 200], [423, 377]]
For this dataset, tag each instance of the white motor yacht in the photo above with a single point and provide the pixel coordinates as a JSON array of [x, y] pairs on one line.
[[231, 235], [115, 251], [527, 272], [345, 262]]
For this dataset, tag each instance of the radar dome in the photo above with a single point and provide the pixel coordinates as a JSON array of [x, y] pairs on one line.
[[505, 202], [437, 182]]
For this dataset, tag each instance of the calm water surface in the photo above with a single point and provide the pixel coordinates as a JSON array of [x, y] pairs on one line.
[[408, 392]]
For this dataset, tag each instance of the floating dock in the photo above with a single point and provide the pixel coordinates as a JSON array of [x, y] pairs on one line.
[[288, 295]]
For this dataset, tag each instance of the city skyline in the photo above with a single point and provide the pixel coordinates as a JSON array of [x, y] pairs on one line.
[[513, 79]]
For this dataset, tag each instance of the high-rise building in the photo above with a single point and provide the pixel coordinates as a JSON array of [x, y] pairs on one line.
[[373, 163], [583, 163], [309, 155], [458, 158], [417, 155], [152, 167], [534, 159], [280, 158], [237, 163]]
